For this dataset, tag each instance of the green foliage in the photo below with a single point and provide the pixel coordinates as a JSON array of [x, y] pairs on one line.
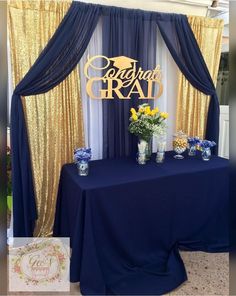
[[144, 123], [9, 182], [141, 129], [9, 202]]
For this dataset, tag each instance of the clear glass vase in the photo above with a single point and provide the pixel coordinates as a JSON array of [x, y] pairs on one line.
[[142, 150], [83, 168], [180, 143], [192, 150], [206, 154], [148, 151], [161, 147], [141, 159]]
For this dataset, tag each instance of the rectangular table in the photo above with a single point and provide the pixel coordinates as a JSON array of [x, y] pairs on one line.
[[127, 222]]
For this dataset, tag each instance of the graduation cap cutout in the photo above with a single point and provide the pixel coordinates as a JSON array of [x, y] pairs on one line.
[[122, 62]]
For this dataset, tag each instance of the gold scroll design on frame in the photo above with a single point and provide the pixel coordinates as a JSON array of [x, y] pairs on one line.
[[119, 73]]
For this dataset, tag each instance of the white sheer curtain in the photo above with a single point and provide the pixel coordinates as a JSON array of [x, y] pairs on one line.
[[92, 108], [168, 99]]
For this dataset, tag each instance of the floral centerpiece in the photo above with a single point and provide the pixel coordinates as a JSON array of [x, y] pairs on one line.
[[193, 143], [205, 147], [204, 144], [146, 122], [81, 158]]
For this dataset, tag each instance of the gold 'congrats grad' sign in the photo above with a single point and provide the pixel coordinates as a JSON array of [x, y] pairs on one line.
[[123, 74]]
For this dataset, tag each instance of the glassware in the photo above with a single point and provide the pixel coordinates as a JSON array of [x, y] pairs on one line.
[[141, 155], [148, 147], [148, 150], [193, 143], [161, 146], [83, 167], [192, 150], [141, 158], [81, 157], [180, 143], [206, 154]]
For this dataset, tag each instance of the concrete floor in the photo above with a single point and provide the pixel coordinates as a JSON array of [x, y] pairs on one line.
[[208, 274]]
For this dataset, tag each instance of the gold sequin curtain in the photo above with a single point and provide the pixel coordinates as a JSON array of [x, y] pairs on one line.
[[54, 120], [192, 105]]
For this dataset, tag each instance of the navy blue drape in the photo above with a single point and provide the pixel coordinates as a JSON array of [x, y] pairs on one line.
[[130, 33], [184, 49], [55, 63], [127, 32]]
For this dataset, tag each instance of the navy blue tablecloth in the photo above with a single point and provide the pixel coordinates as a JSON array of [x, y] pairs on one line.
[[127, 222]]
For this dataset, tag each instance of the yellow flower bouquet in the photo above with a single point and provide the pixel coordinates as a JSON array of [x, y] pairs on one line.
[[146, 122]]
